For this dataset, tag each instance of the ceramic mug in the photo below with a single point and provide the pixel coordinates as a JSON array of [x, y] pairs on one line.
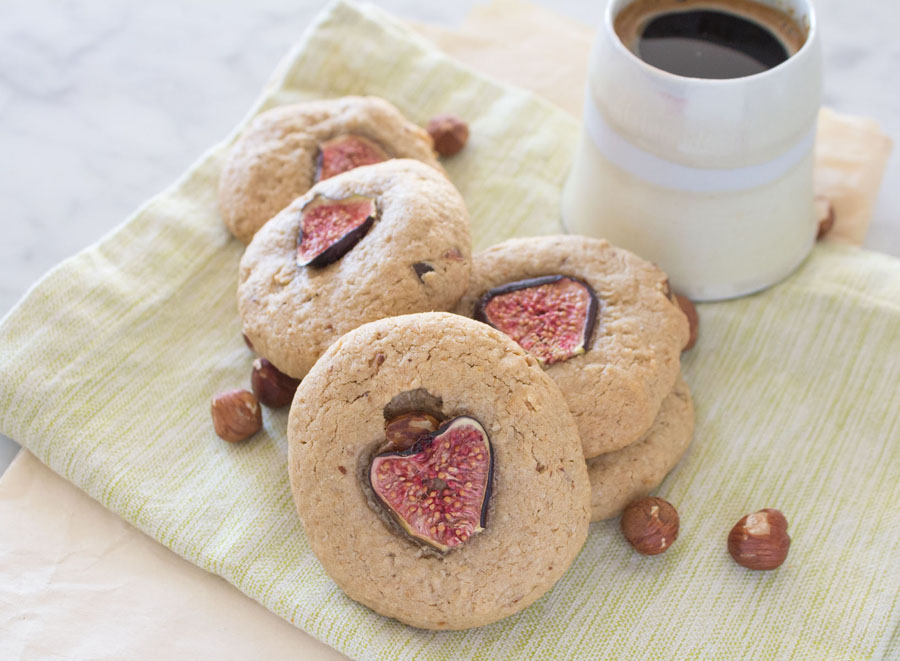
[[709, 178]]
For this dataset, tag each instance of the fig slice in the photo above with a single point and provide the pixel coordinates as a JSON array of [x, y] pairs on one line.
[[551, 317], [345, 152], [438, 489], [330, 228]]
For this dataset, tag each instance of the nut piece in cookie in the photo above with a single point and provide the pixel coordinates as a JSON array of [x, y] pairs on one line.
[[438, 489], [329, 228], [346, 152], [551, 317], [402, 432]]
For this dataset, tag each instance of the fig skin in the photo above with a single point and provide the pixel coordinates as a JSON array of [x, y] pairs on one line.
[[591, 312]]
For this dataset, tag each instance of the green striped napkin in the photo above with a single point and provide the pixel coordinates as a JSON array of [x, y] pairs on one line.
[[107, 367]]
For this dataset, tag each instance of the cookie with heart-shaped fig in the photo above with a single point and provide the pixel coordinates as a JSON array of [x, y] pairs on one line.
[[598, 319], [437, 471]]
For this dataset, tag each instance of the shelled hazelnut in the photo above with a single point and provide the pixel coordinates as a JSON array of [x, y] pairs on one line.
[[271, 386], [449, 134], [760, 540], [236, 415], [650, 525]]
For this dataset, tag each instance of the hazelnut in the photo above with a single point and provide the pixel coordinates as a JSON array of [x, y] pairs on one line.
[[760, 540], [693, 320], [236, 415], [650, 525], [449, 134], [824, 214], [272, 387], [248, 342], [402, 432]]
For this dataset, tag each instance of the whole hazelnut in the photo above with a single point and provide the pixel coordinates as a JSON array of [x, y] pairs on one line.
[[449, 134], [760, 540], [693, 319], [271, 386], [650, 525], [402, 432], [825, 215], [236, 415]]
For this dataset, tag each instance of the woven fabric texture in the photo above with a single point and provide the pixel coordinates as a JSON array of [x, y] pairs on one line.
[[107, 367]]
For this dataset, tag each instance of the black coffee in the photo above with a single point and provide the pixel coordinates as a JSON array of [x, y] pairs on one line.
[[709, 38]]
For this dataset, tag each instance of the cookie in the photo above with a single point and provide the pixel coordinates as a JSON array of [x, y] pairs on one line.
[[415, 257], [615, 365], [537, 511], [289, 148], [617, 478]]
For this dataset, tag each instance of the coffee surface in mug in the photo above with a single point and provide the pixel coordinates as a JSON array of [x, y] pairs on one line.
[[709, 38]]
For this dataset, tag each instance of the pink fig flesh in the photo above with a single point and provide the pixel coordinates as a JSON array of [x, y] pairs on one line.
[[330, 228], [345, 152], [438, 489], [551, 317]]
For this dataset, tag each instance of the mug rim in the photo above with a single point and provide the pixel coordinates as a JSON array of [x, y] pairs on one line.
[[609, 20]]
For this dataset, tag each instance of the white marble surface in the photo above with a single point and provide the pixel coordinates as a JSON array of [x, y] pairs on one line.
[[104, 103]]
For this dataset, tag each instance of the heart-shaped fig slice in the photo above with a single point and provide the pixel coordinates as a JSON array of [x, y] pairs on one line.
[[551, 317], [330, 228], [345, 152], [438, 489]]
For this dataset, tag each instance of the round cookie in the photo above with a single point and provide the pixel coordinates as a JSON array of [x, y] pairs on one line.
[[415, 257], [619, 477], [538, 510], [276, 158], [615, 388]]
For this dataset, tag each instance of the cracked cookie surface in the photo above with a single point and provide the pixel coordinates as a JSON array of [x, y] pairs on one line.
[[538, 511], [619, 477], [615, 388], [292, 313], [274, 160]]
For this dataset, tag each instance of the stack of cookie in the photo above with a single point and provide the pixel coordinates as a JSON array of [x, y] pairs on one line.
[[429, 450], [621, 375]]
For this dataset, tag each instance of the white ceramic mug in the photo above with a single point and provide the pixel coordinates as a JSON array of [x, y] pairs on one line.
[[710, 179]]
